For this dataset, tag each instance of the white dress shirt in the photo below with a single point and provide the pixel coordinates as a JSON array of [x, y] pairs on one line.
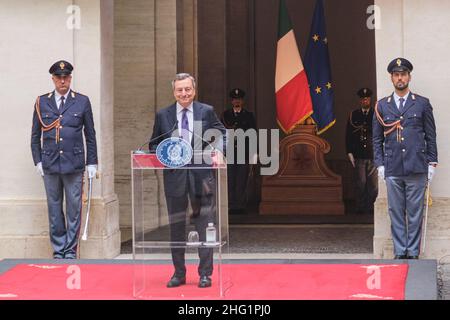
[[397, 99], [58, 98]]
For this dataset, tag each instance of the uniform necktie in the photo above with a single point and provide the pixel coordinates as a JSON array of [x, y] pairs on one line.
[[185, 126], [62, 103], [400, 107]]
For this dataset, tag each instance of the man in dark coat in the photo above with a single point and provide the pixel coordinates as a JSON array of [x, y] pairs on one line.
[[59, 120], [237, 117], [360, 152], [405, 152], [188, 185]]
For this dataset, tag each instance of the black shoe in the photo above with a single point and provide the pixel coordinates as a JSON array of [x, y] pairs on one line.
[[176, 282], [204, 282], [413, 257], [403, 256]]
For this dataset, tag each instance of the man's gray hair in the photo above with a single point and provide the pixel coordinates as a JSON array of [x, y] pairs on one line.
[[182, 76]]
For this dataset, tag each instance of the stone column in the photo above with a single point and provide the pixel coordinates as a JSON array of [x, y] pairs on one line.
[[43, 34], [145, 61]]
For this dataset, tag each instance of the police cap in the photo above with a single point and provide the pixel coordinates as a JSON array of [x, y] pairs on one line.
[[399, 65], [364, 93], [237, 93], [61, 67]]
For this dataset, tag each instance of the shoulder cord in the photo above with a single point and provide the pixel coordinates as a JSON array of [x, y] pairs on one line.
[[396, 125], [357, 128], [55, 124]]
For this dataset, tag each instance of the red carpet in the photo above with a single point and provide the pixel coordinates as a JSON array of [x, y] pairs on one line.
[[243, 281]]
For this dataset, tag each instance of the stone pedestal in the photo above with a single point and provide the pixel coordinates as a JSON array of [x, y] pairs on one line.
[[304, 185]]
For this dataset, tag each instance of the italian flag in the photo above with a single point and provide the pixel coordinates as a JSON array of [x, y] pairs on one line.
[[291, 84]]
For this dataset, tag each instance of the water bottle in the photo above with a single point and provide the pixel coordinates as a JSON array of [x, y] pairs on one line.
[[211, 233]]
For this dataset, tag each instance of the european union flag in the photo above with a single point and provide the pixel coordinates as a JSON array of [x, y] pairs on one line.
[[318, 71]]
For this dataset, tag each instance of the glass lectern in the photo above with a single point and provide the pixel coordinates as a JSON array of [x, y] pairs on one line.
[[172, 210]]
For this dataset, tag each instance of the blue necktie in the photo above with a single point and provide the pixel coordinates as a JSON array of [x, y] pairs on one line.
[[62, 103], [400, 107], [185, 125]]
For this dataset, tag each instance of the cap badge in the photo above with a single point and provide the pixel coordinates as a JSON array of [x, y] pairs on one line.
[[399, 62], [62, 65]]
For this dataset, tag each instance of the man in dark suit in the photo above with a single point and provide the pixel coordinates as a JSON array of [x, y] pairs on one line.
[[405, 152], [191, 119], [359, 147], [237, 117], [57, 146]]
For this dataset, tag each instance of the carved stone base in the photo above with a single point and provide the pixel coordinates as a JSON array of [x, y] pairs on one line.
[[304, 185]]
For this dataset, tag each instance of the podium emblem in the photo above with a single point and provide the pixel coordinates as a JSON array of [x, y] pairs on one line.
[[174, 152]]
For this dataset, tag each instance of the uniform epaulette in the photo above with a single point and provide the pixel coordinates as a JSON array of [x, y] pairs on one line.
[[48, 95]]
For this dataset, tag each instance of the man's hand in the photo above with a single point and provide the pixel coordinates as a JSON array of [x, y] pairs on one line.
[[39, 169], [351, 158], [431, 170], [92, 170], [381, 172]]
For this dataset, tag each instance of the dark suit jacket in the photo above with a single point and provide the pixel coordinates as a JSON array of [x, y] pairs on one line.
[[66, 156], [358, 136], [417, 146], [176, 181]]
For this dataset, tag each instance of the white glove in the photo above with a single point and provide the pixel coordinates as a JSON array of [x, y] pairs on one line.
[[254, 159], [431, 172], [92, 170], [351, 158], [381, 172], [39, 169]]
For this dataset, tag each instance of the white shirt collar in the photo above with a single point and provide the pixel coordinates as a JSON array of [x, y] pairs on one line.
[[397, 98], [189, 108], [58, 97]]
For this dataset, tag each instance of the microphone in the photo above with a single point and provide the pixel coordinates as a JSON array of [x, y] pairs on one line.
[[209, 143], [174, 127], [201, 138]]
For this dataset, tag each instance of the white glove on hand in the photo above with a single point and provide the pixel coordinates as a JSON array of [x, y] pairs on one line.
[[351, 158], [254, 159], [431, 170], [381, 172], [39, 169], [92, 170]]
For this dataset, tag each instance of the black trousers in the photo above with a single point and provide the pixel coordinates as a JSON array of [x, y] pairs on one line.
[[366, 186], [237, 185], [202, 197]]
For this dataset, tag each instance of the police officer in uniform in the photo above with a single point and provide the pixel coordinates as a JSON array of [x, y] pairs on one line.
[[59, 120], [360, 152], [405, 152], [235, 118]]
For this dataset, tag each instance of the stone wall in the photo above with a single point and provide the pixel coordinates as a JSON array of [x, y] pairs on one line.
[[145, 62]]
